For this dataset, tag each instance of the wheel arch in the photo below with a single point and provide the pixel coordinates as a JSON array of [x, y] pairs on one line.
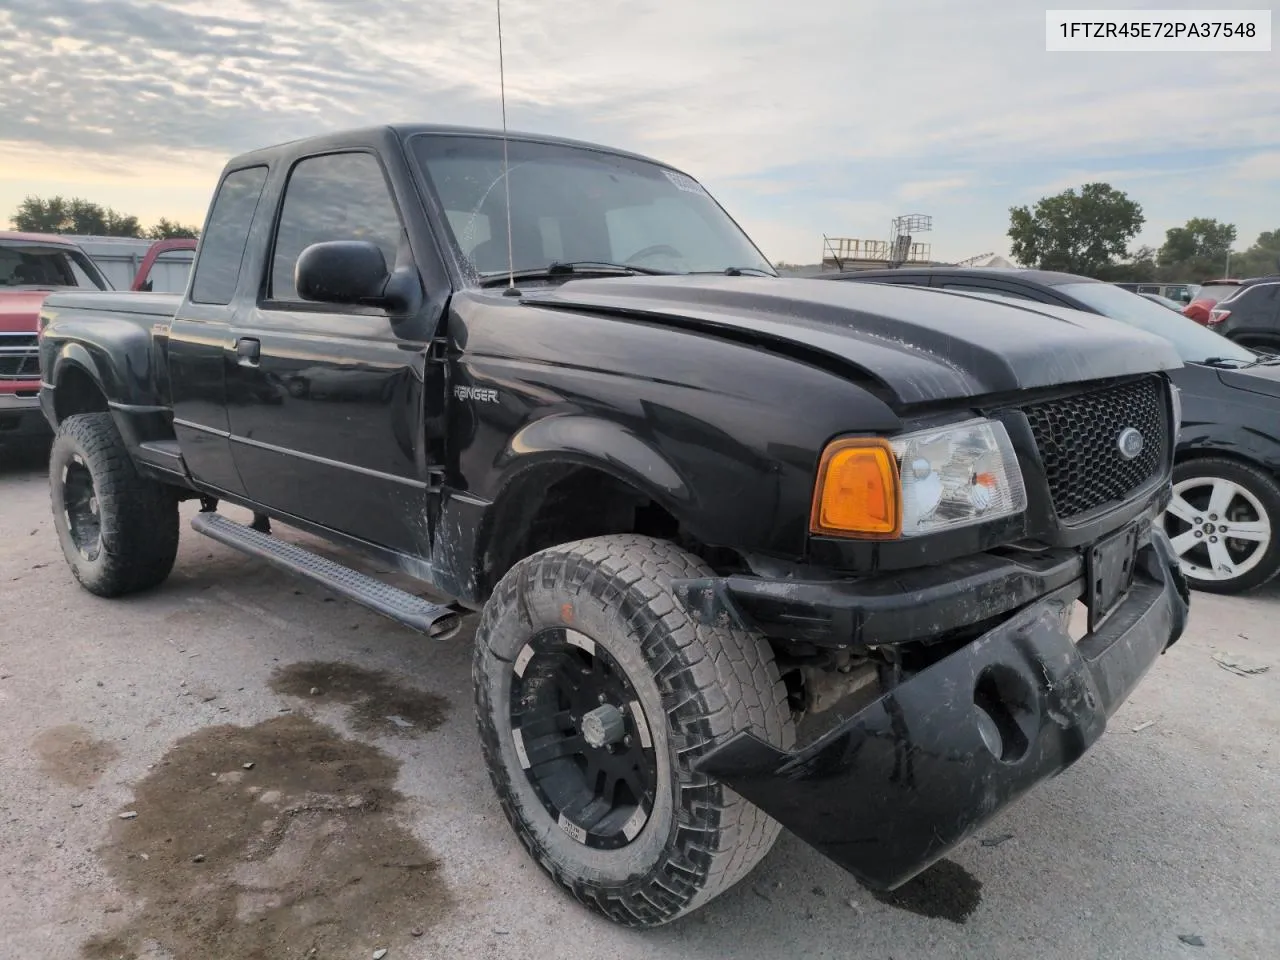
[[551, 496], [78, 386]]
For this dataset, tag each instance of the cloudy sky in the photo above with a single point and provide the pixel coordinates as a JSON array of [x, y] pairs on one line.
[[803, 117]]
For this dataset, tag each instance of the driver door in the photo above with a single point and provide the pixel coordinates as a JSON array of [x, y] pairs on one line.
[[326, 402]]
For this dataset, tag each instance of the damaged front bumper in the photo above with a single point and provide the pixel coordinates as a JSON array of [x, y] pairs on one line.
[[892, 788]]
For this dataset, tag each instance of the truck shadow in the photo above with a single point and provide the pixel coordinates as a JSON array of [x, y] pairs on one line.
[[28, 457]]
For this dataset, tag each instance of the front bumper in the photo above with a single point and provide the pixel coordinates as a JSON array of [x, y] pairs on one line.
[[894, 787]]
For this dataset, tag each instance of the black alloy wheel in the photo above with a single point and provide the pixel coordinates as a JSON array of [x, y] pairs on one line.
[[583, 739], [80, 505]]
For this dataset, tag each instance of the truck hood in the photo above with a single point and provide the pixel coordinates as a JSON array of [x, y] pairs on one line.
[[922, 345], [20, 310]]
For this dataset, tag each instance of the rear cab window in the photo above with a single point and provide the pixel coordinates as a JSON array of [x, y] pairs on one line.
[[222, 248]]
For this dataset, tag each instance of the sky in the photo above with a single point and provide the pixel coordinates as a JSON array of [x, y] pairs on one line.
[[803, 118]]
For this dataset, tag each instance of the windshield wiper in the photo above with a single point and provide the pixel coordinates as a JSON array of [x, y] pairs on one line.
[[564, 268], [1233, 363], [735, 272]]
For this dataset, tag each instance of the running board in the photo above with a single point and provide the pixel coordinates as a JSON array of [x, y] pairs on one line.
[[435, 620]]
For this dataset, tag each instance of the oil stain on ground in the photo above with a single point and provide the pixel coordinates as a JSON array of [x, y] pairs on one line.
[[379, 702], [72, 755], [946, 891], [278, 840]]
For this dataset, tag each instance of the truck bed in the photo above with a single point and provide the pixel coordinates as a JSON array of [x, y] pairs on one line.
[[116, 301]]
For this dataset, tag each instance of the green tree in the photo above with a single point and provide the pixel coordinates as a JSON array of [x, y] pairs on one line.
[[1085, 232], [1197, 250], [41, 216], [1259, 260], [1139, 268], [166, 229], [78, 216]]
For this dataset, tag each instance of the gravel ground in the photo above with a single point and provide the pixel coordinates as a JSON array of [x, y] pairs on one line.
[[305, 776]]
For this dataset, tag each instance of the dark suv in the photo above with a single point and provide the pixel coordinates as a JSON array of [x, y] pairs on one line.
[[1250, 315]]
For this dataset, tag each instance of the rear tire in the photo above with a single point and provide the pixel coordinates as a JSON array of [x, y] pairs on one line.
[[1211, 558], [604, 607], [118, 530]]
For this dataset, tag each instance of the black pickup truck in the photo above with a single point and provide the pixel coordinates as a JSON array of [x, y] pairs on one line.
[[748, 550]]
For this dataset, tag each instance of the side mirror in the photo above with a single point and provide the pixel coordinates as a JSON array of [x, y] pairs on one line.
[[352, 272]]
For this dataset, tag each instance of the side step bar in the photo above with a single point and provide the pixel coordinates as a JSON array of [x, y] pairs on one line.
[[435, 620]]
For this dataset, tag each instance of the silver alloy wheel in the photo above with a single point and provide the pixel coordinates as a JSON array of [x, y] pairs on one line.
[[1218, 528]]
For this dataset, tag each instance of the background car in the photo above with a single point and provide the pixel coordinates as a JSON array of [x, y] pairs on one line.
[[1250, 314], [1224, 519], [32, 265], [1165, 302], [1181, 293], [1206, 296]]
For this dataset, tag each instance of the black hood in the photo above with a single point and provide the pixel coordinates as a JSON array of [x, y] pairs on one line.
[[922, 345], [1260, 379]]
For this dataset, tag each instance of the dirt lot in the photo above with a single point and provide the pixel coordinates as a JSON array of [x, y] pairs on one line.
[[239, 766]]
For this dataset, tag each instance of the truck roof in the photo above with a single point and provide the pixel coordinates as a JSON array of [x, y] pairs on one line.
[[402, 131], [50, 238]]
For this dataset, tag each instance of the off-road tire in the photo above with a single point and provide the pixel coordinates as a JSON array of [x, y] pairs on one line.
[[698, 685], [1264, 487], [138, 517]]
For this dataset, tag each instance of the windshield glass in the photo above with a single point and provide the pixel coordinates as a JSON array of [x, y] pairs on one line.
[[24, 264], [576, 205], [1194, 343]]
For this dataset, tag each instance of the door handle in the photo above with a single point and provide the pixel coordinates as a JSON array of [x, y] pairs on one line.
[[248, 351]]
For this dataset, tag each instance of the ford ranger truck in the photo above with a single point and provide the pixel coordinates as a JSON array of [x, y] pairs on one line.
[[748, 552]]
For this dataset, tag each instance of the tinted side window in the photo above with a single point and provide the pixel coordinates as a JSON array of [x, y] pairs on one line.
[[994, 291], [340, 196], [223, 245]]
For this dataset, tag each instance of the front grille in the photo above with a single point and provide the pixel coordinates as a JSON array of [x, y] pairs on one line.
[[1079, 442], [19, 356]]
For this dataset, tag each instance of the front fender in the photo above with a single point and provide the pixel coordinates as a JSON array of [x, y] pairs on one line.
[[1235, 441], [74, 356], [592, 441]]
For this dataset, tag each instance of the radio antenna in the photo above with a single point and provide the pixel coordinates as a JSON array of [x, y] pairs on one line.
[[506, 167]]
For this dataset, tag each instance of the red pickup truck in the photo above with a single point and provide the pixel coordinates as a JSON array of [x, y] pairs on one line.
[[33, 265]]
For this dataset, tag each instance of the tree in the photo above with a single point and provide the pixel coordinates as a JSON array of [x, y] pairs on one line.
[[166, 229], [1261, 259], [59, 215], [1197, 250], [1083, 232], [1139, 268]]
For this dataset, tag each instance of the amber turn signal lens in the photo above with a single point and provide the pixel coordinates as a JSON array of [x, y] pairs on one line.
[[857, 490]]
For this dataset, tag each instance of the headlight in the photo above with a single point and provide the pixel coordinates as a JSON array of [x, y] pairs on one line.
[[957, 476], [919, 483]]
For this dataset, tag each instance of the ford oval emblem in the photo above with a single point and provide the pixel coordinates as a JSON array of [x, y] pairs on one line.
[[1130, 443]]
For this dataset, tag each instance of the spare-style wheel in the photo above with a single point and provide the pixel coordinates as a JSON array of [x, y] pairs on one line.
[[1224, 522], [595, 694], [118, 529]]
